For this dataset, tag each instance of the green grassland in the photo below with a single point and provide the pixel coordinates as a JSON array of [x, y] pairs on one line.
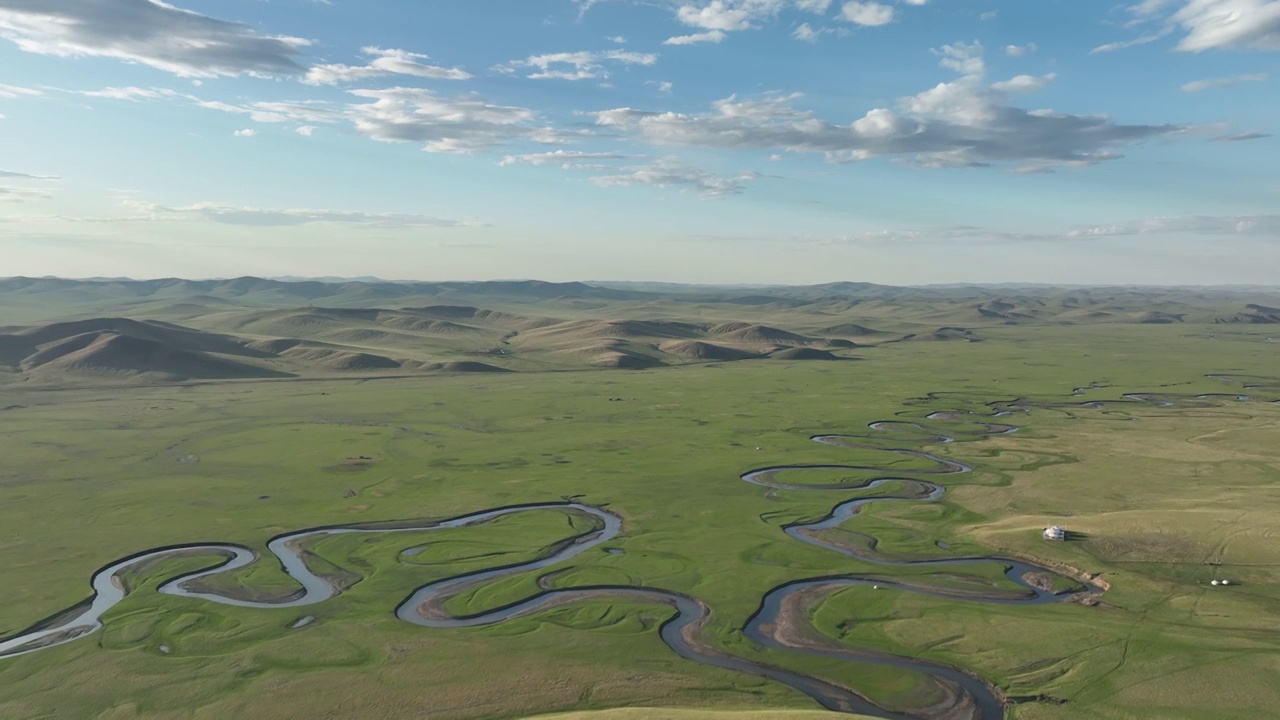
[[656, 714], [1166, 499], [56, 333]]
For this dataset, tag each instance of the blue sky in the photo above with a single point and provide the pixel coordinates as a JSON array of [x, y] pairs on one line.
[[899, 141]]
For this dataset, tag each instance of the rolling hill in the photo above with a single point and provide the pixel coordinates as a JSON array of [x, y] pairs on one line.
[[318, 341], [28, 300], [175, 330], [124, 347], [1254, 314]]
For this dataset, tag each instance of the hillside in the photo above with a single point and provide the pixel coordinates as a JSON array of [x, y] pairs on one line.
[[316, 341], [115, 354], [30, 300], [124, 347], [175, 330]]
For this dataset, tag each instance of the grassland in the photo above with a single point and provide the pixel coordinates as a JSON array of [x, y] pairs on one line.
[[1165, 502], [650, 714], [57, 332]]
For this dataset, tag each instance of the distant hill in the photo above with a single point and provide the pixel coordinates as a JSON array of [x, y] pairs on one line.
[[803, 354], [1254, 314], [175, 329], [618, 329], [26, 300], [18, 343], [851, 330], [343, 360], [65, 298], [115, 354], [120, 346], [699, 350], [755, 334], [464, 367]]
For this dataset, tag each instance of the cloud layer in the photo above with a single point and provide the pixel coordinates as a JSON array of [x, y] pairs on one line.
[[1210, 24], [1223, 82], [381, 63], [147, 32], [259, 217], [1256, 227], [970, 120], [964, 123], [672, 173], [583, 65]]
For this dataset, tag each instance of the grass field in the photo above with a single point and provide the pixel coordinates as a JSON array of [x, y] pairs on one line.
[[1166, 499], [654, 714]]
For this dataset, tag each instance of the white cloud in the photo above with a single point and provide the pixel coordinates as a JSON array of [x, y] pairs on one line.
[[867, 14], [620, 117], [581, 65], [1151, 7], [1241, 136], [459, 124], [807, 33], [1222, 82], [672, 173], [26, 176], [14, 91], [1265, 225], [564, 158], [259, 217], [18, 195], [150, 33], [23, 194], [620, 40], [964, 58], [276, 112], [1126, 44], [1023, 83], [1246, 226], [728, 15], [450, 125], [245, 133], [1215, 24], [130, 93], [1020, 50], [711, 36], [967, 235], [1211, 24], [962, 123], [383, 62]]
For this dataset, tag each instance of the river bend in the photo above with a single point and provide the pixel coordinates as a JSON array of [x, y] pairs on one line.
[[425, 605]]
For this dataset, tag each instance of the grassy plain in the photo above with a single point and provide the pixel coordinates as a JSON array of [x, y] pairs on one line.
[[1167, 502], [657, 714]]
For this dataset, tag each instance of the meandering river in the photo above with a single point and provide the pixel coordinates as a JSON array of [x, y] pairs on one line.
[[769, 626]]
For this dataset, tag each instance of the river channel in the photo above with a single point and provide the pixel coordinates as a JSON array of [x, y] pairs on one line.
[[425, 605]]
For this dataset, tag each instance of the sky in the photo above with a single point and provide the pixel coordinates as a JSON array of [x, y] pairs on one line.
[[708, 141]]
